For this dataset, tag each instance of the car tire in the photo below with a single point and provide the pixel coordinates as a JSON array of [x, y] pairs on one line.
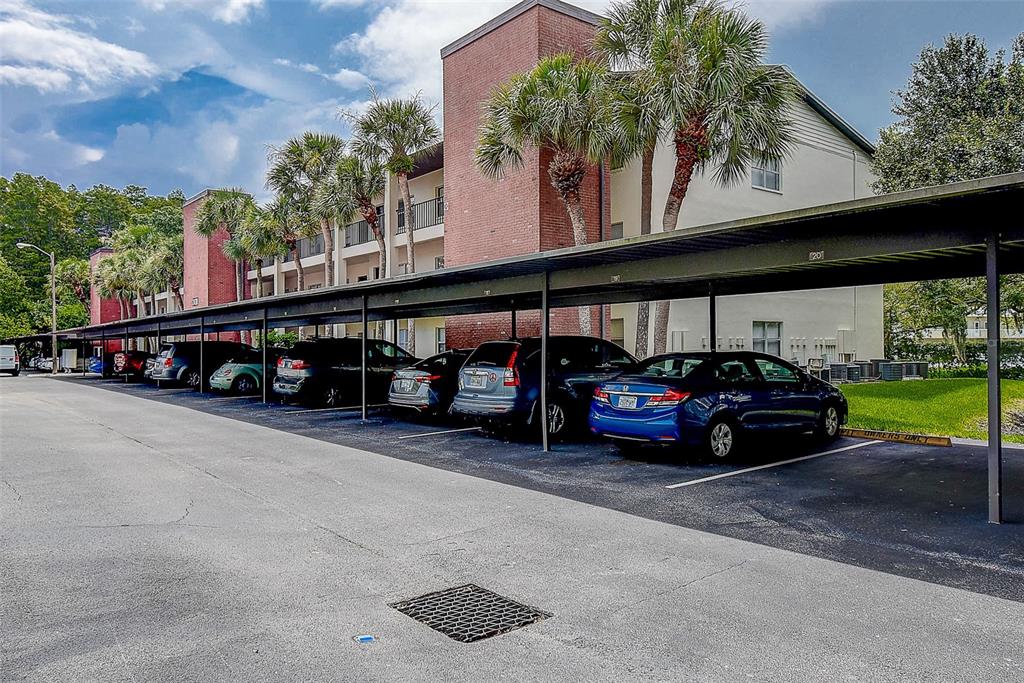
[[559, 418], [828, 423], [244, 385], [721, 439], [331, 396], [191, 379], [15, 373]]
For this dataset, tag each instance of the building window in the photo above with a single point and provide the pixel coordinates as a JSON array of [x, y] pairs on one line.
[[403, 337], [438, 262], [617, 231], [439, 203], [361, 278], [768, 337], [439, 340], [403, 268], [376, 272], [766, 175], [617, 334]]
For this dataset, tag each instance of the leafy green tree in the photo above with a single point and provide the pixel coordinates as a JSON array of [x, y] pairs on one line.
[[960, 117], [563, 106], [73, 279], [228, 210], [14, 314]]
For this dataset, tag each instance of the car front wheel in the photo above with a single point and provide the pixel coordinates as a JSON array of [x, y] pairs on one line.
[[192, 379], [828, 423], [332, 396], [720, 440]]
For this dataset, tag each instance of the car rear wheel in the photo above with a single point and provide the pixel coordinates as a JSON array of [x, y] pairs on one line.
[[332, 396], [828, 423], [192, 379], [244, 385], [720, 440]]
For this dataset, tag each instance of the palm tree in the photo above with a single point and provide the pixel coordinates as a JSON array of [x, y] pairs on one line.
[[260, 239], [350, 190], [226, 209], [564, 106], [165, 266], [291, 223], [72, 275], [112, 282], [392, 131], [723, 106], [297, 169], [624, 40]]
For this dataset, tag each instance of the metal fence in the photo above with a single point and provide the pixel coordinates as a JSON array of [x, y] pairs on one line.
[[427, 214]]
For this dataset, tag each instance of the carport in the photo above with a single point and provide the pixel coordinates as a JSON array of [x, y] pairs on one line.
[[968, 229]]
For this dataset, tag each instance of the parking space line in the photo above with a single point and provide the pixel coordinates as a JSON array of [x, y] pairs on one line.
[[231, 398], [438, 433], [321, 410], [771, 464]]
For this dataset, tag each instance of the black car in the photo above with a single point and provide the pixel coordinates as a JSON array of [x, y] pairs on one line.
[[179, 361], [328, 371], [429, 386], [500, 381]]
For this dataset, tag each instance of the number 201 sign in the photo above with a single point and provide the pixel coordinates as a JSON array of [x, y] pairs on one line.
[[816, 256]]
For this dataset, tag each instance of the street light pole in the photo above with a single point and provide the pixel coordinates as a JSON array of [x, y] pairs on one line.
[[53, 300]]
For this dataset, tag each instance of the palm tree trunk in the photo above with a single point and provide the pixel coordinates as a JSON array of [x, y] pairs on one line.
[[688, 141], [370, 216], [259, 278], [643, 309], [120, 306], [410, 248], [178, 297], [328, 232], [300, 274], [239, 290], [574, 208]]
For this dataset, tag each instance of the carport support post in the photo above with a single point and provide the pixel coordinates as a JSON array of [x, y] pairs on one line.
[[202, 339], [995, 444], [712, 319], [85, 363], [362, 362], [263, 342], [544, 325]]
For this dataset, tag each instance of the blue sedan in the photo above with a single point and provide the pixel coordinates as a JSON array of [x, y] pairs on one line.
[[712, 400]]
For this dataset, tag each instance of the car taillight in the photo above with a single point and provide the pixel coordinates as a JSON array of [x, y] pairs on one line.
[[16, 359], [168, 362], [671, 397], [600, 395], [511, 373], [300, 365], [427, 378], [280, 362]]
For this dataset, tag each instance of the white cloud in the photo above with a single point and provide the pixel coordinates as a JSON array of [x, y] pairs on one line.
[[225, 11], [331, 4], [304, 66], [69, 56], [347, 78]]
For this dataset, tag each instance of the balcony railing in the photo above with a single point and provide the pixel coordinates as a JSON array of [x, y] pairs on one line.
[[427, 214], [358, 233], [308, 246]]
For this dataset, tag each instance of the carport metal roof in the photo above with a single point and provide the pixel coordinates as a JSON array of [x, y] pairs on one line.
[[936, 232], [971, 228]]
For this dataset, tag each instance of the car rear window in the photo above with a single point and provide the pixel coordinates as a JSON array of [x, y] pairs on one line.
[[673, 366], [496, 354], [441, 362]]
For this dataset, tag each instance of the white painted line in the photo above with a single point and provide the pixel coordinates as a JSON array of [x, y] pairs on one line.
[[321, 410], [771, 464], [438, 433], [231, 398]]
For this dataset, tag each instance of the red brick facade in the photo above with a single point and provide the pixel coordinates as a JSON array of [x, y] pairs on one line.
[[521, 213]]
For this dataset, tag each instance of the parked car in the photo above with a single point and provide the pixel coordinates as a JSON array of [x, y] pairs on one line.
[[328, 371], [179, 361], [96, 365], [243, 373], [44, 364], [9, 360], [714, 400], [131, 363], [429, 386], [500, 381]]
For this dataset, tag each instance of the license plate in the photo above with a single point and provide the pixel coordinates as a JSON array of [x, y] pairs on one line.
[[476, 381], [627, 401], [405, 386]]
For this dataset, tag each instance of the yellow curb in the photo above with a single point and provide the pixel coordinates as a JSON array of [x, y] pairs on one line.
[[898, 437]]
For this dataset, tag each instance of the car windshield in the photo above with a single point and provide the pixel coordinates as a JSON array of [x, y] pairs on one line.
[[675, 367], [496, 354], [441, 362]]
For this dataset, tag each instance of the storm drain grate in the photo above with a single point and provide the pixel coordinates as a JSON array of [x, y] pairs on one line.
[[469, 613]]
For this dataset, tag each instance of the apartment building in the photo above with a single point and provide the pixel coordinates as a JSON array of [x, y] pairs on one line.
[[463, 217]]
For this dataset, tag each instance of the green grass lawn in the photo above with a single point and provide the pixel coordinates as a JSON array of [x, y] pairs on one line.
[[945, 407]]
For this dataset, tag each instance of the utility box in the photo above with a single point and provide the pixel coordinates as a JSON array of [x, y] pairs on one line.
[[853, 373], [890, 372], [68, 359]]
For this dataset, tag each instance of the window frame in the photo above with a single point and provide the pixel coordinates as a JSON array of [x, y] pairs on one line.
[[765, 339], [766, 168]]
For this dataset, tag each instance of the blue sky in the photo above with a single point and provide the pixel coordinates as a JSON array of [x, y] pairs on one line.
[[190, 93]]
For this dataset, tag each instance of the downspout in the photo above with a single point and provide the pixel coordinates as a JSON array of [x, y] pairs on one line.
[[601, 235]]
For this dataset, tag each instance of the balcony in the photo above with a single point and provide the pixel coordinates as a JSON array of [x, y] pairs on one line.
[[427, 214], [308, 246], [358, 233]]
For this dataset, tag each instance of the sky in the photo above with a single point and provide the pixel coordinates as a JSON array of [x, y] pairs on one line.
[[191, 94]]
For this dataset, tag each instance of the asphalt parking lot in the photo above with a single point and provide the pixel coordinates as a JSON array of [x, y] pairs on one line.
[[913, 511]]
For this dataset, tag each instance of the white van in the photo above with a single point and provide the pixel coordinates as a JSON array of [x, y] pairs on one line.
[[9, 361]]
